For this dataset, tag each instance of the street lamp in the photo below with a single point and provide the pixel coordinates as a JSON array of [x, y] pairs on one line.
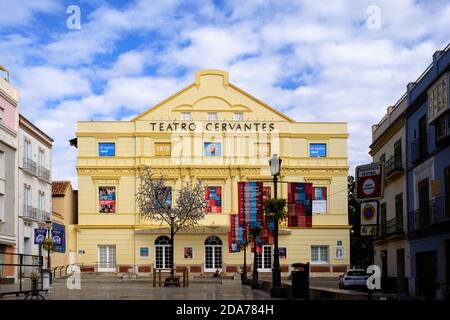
[[276, 291], [48, 224], [172, 218]]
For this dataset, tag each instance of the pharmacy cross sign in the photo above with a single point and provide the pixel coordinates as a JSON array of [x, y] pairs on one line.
[[369, 181]]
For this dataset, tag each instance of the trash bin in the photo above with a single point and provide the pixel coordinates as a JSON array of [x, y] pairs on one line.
[[300, 280], [46, 274]]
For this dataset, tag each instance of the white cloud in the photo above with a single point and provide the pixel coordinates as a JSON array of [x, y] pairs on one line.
[[314, 61], [21, 12]]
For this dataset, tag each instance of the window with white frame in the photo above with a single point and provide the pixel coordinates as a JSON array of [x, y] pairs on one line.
[[212, 116], [2, 207], [319, 254], [41, 159], [238, 116], [186, 116], [27, 148], [2, 165], [41, 201]]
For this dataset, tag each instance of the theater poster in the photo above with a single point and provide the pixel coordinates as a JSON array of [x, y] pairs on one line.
[[107, 199], [319, 202], [250, 203], [300, 204], [213, 149]]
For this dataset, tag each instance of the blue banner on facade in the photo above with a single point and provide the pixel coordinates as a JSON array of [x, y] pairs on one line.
[[59, 237], [39, 235], [317, 150], [106, 149]]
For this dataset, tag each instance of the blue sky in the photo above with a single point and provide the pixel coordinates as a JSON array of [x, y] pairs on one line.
[[314, 61]]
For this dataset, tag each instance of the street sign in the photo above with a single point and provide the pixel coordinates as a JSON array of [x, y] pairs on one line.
[[369, 218], [369, 181]]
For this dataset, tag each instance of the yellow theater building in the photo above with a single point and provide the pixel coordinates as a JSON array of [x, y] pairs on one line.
[[215, 132]]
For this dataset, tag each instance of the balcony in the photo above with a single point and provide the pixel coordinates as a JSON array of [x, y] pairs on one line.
[[29, 165], [390, 228], [394, 166], [394, 226], [44, 173], [428, 216], [30, 212], [43, 215], [419, 148]]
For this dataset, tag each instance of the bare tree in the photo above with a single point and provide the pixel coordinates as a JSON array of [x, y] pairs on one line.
[[155, 204]]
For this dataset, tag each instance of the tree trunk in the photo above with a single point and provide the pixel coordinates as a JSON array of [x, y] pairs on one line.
[[172, 248]]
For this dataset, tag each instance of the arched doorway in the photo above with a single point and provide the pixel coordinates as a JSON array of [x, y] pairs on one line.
[[213, 254], [163, 246]]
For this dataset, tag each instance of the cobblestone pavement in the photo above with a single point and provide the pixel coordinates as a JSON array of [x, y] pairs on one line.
[[115, 289]]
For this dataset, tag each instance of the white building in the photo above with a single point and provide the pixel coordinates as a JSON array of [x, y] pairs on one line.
[[35, 187], [391, 247]]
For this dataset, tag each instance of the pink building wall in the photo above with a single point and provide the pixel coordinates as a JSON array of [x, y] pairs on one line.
[[9, 113]]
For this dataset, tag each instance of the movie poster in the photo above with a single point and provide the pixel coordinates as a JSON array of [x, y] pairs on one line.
[[107, 199], [213, 149], [319, 202], [188, 252]]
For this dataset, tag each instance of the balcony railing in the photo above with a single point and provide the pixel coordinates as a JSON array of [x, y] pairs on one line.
[[394, 165], [395, 226], [29, 165], [43, 215], [419, 148], [426, 216], [44, 173], [30, 212], [391, 227]]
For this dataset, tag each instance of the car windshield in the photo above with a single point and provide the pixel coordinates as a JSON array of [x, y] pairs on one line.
[[356, 273]]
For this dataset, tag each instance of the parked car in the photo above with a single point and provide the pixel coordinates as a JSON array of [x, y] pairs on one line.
[[353, 278]]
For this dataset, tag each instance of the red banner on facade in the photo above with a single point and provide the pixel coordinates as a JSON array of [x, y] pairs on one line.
[[300, 204]]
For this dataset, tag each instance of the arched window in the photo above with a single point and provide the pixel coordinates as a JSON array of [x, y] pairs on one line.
[[213, 254], [163, 247], [213, 240], [163, 240]]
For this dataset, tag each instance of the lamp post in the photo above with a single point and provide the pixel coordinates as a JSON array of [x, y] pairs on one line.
[[172, 271], [276, 291], [48, 224], [244, 272], [255, 231]]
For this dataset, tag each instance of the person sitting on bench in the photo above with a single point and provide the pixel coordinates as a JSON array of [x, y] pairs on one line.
[[217, 274]]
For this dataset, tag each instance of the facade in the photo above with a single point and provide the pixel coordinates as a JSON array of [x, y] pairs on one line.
[[391, 247], [64, 209], [428, 178], [34, 187], [214, 132], [8, 176]]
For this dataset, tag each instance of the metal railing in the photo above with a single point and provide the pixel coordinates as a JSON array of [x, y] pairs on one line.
[[29, 165], [44, 173], [394, 164], [428, 215], [394, 226], [30, 212], [43, 215]]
